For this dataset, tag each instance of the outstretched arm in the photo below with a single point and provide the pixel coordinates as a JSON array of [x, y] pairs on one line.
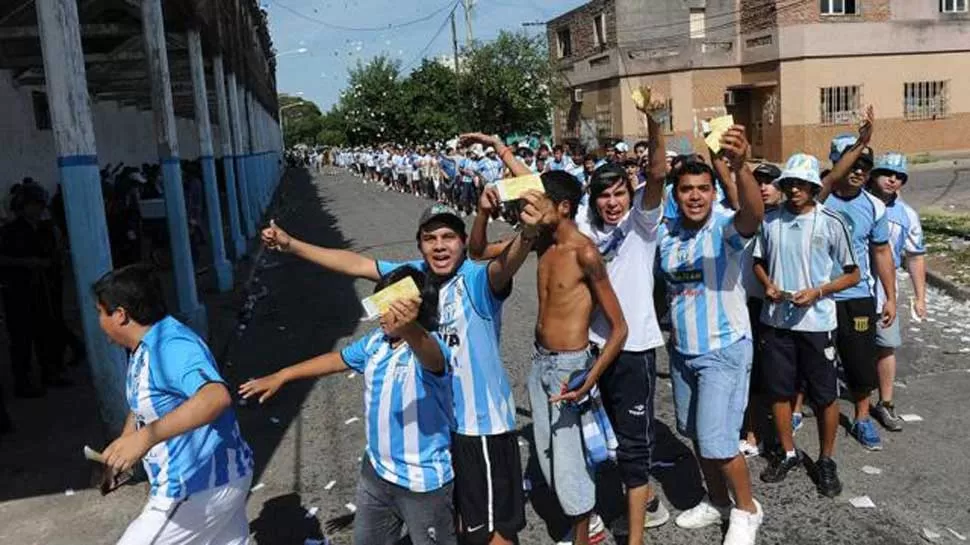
[[594, 271], [319, 366], [340, 261]]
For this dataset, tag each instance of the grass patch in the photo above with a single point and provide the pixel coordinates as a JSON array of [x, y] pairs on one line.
[[943, 257], [921, 159], [956, 225]]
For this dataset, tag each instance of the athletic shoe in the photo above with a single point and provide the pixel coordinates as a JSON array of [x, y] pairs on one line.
[[743, 528], [827, 478], [597, 532], [701, 515], [779, 467], [796, 421], [596, 525], [866, 434], [748, 450], [885, 413], [657, 514]]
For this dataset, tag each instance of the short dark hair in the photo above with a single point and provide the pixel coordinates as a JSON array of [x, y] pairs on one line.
[[135, 288], [591, 156], [428, 312], [557, 147], [642, 144], [693, 168], [562, 186], [604, 178]]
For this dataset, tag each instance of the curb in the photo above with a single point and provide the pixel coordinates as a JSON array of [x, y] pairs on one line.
[[949, 287]]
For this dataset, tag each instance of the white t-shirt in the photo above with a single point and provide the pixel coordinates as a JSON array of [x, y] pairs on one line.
[[629, 250]]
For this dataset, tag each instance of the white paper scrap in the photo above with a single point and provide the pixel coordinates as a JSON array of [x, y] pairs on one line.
[[899, 384], [351, 507], [930, 535], [69, 492], [961, 537], [274, 420], [870, 470], [258, 486], [914, 329], [242, 402], [351, 420], [862, 502], [351, 374], [911, 418], [330, 485], [312, 512]]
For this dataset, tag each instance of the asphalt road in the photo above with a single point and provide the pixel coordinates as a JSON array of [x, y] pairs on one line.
[[308, 447], [944, 185]]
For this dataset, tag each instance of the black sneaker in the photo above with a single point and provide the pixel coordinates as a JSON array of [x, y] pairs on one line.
[[827, 483], [780, 465]]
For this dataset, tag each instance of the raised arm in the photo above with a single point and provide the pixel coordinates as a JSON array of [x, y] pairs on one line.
[[340, 261], [535, 206], [723, 170], [594, 271], [478, 247], [401, 321], [843, 166], [657, 170], [751, 209], [517, 167]]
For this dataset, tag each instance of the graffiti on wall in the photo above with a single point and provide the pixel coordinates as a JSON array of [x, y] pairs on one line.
[[770, 108]]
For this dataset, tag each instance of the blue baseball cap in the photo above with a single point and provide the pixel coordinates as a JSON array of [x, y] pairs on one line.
[[893, 162], [841, 143], [801, 166]]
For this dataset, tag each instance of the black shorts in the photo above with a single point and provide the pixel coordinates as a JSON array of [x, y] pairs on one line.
[[754, 313], [628, 388], [794, 358], [856, 342], [488, 486]]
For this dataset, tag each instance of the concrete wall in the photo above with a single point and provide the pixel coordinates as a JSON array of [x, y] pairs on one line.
[[123, 134], [882, 80]]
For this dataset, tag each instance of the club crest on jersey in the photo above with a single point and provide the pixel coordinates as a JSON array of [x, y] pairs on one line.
[[861, 323]]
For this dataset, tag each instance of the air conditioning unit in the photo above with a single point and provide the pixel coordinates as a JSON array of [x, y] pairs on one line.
[[729, 98], [578, 95]]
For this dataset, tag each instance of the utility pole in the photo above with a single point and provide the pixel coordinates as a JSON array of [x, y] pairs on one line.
[[469, 38], [454, 43]]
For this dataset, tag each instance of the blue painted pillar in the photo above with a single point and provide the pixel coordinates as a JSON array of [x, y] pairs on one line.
[[153, 28], [238, 244], [252, 160], [242, 177], [202, 123], [70, 109]]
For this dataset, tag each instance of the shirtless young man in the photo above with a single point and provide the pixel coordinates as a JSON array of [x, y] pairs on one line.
[[572, 282]]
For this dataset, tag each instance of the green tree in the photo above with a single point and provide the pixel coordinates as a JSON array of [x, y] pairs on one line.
[[372, 103], [509, 85], [430, 103], [302, 120]]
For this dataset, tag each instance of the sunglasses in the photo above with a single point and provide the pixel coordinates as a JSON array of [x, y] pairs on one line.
[[861, 166]]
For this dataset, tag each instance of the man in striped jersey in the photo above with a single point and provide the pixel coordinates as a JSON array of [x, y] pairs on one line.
[[407, 476], [710, 356], [181, 423], [485, 451], [803, 256], [905, 238]]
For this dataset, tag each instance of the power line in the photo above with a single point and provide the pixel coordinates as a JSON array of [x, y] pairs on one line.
[[441, 28], [389, 26], [781, 5]]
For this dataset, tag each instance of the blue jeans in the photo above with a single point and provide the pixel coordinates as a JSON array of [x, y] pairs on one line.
[[558, 432], [710, 395]]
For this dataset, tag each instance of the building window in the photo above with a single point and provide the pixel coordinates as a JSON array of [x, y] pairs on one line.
[[599, 30], [42, 111], [564, 42], [925, 100], [665, 117], [697, 23], [603, 121], [953, 6], [840, 105], [838, 7]]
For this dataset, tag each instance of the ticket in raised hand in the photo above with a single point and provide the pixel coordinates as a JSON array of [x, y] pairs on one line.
[[719, 126], [641, 98], [511, 189], [377, 304]]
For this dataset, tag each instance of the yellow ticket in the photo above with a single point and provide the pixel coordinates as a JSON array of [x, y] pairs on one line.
[[641, 97], [511, 189], [719, 126], [377, 304]]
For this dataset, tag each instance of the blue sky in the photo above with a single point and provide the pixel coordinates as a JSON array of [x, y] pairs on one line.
[[321, 71]]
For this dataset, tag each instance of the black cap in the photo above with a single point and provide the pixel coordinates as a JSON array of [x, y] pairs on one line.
[[768, 171], [444, 213]]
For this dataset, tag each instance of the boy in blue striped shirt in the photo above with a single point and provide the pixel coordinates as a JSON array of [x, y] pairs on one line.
[[181, 425], [803, 256], [710, 357], [407, 476]]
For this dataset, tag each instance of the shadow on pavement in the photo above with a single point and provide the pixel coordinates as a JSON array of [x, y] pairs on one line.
[[283, 521]]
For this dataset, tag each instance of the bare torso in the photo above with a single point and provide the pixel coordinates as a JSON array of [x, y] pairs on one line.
[[565, 299]]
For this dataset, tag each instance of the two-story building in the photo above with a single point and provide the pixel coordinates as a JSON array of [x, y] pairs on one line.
[[795, 72]]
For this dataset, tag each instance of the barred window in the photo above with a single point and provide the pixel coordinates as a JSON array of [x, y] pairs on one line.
[[953, 6], [564, 40], [837, 7], [840, 105], [925, 100]]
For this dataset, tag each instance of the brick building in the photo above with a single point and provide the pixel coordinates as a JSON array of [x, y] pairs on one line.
[[796, 72]]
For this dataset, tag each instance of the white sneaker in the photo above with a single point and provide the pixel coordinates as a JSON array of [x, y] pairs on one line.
[[596, 525], [748, 450], [657, 514], [743, 528], [701, 515]]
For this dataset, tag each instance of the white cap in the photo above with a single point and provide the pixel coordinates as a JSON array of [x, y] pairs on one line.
[[621, 147], [489, 149]]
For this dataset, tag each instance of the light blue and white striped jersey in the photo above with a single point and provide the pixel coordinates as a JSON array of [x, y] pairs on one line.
[[167, 368], [702, 268], [470, 322], [802, 251], [865, 216], [407, 412], [490, 169], [905, 238], [565, 164]]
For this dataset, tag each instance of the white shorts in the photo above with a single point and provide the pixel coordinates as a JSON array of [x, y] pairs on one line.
[[214, 517]]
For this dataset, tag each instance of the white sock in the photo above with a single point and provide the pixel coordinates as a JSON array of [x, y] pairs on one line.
[[789, 454]]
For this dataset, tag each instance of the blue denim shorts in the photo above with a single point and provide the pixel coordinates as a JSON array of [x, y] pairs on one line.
[[710, 395], [889, 337]]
